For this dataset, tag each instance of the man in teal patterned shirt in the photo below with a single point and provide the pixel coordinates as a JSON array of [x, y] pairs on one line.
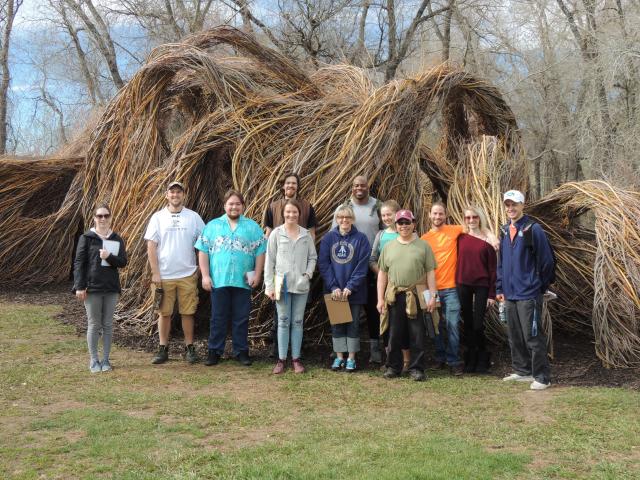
[[231, 258]]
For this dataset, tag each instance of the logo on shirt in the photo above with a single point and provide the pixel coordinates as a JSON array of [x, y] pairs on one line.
[[176, 222], [342, 252]]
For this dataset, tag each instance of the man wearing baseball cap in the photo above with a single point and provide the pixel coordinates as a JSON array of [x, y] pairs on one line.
[[171, 235], [405, 262], [525, 269]]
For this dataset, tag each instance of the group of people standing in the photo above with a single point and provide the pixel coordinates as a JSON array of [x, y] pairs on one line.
[[371, 258]]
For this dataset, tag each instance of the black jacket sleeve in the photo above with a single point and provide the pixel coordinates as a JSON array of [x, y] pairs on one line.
[[120, 260], [81, 265]]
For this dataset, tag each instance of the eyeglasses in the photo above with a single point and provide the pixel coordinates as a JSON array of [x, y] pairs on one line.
[[403, 222], [345, 217], [103, 215], [471, 217]]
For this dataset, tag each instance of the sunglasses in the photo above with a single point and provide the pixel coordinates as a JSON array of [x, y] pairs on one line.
[[472, 217], [103, 215], [403, 222]]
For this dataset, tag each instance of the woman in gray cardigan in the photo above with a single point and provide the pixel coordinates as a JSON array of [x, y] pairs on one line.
[[291, 259]]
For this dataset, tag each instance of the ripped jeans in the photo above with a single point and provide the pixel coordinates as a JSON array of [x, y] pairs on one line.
[[290, 319]]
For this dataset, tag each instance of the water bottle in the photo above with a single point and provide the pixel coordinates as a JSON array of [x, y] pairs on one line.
[[501, 313], [534, 324]]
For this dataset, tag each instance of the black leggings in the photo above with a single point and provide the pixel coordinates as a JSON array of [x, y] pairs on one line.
[[473, 305]]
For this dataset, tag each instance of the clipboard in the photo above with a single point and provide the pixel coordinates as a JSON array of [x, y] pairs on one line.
[[339, 311]]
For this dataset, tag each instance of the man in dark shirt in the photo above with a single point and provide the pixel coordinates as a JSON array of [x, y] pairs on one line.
[[274, 218], [525, 270]]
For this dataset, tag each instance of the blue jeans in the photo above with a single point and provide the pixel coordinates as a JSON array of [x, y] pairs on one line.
[[290, 317], [346, 336], [230, 303], [451, 315]]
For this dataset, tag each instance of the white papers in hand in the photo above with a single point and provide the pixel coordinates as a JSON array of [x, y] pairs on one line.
[[112, 247]]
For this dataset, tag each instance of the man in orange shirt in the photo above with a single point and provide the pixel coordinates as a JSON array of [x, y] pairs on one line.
[[443, 240]]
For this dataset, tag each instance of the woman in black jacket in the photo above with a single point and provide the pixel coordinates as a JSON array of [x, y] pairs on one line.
[[99, 254]]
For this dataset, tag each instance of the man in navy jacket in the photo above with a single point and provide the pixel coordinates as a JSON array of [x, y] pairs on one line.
[[525, 270]]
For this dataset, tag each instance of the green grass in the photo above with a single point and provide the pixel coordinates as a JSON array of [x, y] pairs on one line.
[[190, 422]]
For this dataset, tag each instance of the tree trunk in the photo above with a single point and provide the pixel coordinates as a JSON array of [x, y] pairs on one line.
[[92, 88], [10, 14]]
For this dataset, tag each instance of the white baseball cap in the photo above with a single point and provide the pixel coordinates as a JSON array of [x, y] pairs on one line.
[[514, 195], [175, 184]]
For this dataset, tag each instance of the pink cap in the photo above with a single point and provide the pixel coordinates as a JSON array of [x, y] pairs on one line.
[[405, 215]]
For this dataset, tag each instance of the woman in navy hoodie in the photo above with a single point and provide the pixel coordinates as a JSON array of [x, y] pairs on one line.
[[99, 254], [343, 263]]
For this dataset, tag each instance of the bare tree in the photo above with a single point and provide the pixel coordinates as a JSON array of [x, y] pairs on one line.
[[8, 11], [400, 41], [313, 28], [100, 35]]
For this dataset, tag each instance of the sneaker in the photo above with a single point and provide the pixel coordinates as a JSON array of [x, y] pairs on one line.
[[213, 358], [106, 366], [243, 358], [515, 377], [95, 366], [297, 366], [351, 365], [390, 373], [536, 385], [417, 375], [279, 368], [457, 370], [191, 355], [338, 363], [162, 355]]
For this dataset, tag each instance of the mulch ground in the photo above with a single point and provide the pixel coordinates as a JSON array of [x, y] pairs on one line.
[[575, 362]]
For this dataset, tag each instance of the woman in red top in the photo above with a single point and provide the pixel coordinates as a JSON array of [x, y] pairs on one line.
[[476, 284]]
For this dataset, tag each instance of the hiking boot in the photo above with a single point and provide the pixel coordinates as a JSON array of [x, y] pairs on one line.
[[191, 355], [162, 355], [351, 365], [417, 375], [456, 370], [536, 385], [213, 358], [95, 366], [338, 364], [279, 368], [297, 366], [390, 373], [243, 358], [515, 377], [438, 365], [106, 365]]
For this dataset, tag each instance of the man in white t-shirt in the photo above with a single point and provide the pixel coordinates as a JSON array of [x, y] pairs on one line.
[[171, 235]]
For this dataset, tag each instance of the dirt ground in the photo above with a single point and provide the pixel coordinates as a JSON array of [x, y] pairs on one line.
[[575, 362]]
